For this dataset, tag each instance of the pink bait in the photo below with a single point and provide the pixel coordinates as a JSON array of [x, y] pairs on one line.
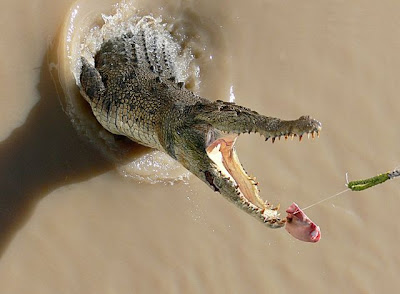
[[300, 226]]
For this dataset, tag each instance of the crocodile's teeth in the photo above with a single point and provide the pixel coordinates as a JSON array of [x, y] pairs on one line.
[[276, 207]]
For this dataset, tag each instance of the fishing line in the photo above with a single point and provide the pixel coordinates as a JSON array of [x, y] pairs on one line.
[[327, 198]]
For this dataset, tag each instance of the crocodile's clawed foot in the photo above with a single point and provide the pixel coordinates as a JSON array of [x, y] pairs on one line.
[[217, 125]]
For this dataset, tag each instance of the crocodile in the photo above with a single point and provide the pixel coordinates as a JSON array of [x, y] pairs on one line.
[[132, 91]]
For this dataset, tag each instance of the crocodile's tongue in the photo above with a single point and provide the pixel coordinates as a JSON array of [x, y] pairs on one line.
[[223, 154]]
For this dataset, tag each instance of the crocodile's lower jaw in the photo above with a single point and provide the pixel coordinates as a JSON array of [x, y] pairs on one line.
[[222, 152]]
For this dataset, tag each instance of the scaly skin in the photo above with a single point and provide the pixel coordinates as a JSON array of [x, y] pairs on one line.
[[132, 92]]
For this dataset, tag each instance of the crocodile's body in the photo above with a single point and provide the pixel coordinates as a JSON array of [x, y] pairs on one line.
[[132, 92]]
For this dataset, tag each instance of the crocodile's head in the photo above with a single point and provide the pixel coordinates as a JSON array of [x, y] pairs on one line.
[[205, 144]]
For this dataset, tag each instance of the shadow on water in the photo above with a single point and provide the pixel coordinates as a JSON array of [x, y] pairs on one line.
[[45, 153]]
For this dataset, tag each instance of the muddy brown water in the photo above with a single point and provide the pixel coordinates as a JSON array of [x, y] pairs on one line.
[[71, 223]]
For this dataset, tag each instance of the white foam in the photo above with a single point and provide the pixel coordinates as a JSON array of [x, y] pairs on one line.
[[154, 167], [127, 19]]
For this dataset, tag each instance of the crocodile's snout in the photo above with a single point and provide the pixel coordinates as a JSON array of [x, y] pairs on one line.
[[215, 126]]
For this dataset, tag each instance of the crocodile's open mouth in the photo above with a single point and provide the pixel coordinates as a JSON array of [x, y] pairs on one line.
[[222, 153]]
